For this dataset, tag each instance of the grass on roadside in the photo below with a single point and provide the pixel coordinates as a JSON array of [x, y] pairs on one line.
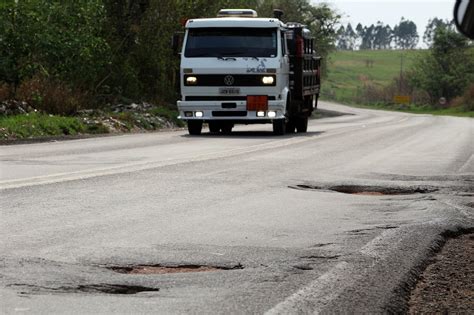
[[39, 125]]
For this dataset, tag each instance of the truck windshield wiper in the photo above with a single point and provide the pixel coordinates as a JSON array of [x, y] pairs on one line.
[[254, 57]]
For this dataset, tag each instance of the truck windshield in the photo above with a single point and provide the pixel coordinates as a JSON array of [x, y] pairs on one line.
[[231, 42]]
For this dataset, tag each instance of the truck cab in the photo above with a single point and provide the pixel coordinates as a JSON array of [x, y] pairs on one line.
[[238, 69]]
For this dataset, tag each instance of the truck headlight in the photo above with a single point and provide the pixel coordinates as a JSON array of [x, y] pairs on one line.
[[268, 80], [191, 80]]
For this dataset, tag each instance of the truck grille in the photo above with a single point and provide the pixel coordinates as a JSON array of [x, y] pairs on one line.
[[229, 80]]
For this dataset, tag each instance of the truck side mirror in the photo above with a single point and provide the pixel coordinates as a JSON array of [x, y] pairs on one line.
[[464, 17], [176, 43]]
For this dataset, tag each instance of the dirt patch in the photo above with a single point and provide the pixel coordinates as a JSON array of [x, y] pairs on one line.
[[447, 284], [159, 270]]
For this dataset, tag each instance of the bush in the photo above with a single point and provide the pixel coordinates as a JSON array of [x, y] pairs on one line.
[[466, 101], [59, 41], [52, 96], [448, 68]]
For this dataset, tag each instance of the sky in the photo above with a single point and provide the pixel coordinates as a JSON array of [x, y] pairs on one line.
[[390, 12]]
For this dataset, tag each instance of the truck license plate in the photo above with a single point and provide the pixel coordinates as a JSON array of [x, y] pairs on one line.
[[229, 91]]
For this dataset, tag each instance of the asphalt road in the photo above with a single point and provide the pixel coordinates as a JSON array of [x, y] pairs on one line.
[[266, 211]]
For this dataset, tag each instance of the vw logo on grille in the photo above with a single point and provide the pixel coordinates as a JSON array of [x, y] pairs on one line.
[[229, 80]]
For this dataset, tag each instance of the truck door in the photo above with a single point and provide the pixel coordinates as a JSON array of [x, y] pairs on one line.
[[285, 61]]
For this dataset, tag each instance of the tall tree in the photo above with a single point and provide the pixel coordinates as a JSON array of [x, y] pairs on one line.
[[351, 37], [434, 24], [382, 36], [405, 34], [341, 38], [368, 36], [360, 35]]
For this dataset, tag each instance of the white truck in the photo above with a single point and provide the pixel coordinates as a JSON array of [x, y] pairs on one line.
[[241, 69]]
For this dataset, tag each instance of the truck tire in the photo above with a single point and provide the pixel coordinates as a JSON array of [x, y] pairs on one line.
[[194, 127], [290, 125], [214, 126], [279, 127], [302, 124]]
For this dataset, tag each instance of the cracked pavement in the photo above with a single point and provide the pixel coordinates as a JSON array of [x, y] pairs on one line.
[[72, 210]]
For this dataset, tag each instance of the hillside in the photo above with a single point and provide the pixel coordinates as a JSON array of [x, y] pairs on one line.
[[348, 71]]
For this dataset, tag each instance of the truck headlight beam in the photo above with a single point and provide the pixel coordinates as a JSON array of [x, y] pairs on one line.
[[268, 80], [191, 80]]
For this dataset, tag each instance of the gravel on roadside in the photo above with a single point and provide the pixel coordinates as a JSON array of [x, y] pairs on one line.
[[447, 284]]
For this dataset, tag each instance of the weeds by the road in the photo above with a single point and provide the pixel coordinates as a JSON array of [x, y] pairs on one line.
[[39, 125]]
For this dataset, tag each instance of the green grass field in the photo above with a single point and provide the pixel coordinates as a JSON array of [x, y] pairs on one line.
[[348, 71]]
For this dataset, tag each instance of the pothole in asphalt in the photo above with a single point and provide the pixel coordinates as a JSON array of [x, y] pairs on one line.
[[329, 257], [90, 288], [303, 267], [115, 289], [159, 270], [368, 190]]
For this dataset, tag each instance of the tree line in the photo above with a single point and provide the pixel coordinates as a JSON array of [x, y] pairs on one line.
[[64, 55], [403, 35]]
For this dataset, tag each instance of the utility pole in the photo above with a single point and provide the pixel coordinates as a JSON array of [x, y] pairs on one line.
[[400, 81]]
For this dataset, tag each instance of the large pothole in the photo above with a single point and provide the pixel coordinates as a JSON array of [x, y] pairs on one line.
[[159, 269], [368, 190]]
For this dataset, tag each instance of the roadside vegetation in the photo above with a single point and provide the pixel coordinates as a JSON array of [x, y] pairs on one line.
[[24, 122], [39, 125], [91, 60], [81, 58], [438, 80]]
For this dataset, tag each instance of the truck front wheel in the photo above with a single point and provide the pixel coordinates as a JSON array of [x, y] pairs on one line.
[[279, 127], [194, 127], [291, 125]]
